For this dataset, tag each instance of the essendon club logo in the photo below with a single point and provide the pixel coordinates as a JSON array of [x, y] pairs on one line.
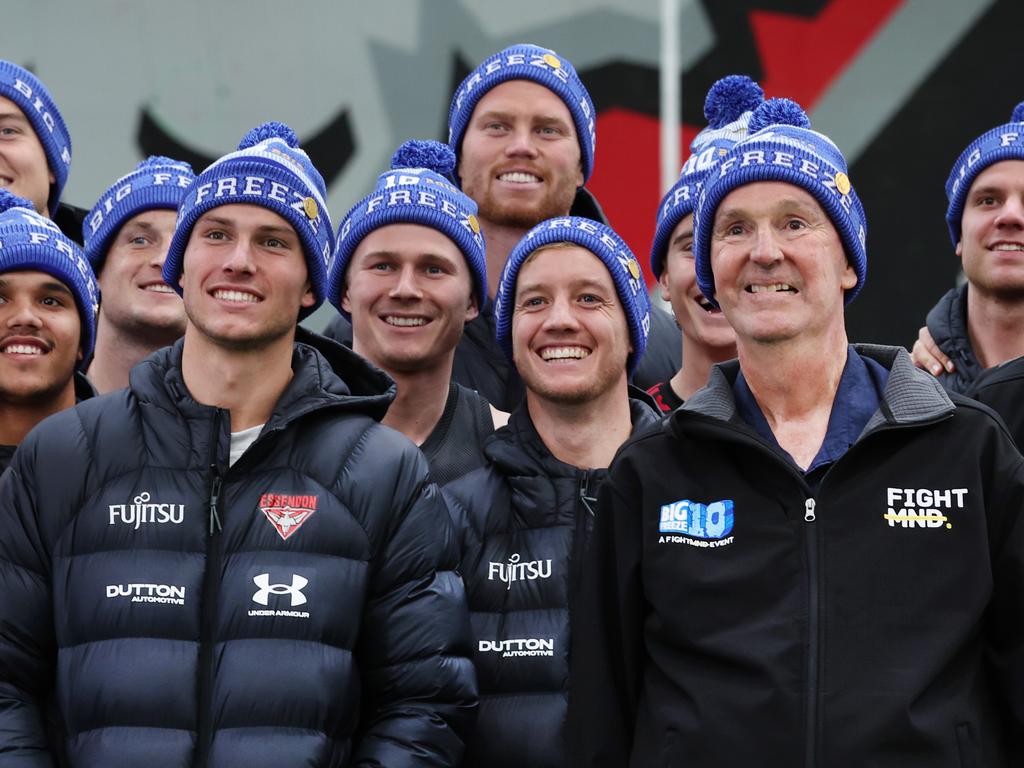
[[287, 512]]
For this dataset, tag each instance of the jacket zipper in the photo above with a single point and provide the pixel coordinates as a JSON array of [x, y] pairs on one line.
[[210, 597], [584, 525], [811, 541]]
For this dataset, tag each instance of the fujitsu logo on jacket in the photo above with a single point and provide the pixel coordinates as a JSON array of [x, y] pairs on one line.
[[514, 570], [141, 512]]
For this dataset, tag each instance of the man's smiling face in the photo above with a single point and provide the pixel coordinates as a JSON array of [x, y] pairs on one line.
[[520, 156], [779, 266], [245, 277], [39, 337]]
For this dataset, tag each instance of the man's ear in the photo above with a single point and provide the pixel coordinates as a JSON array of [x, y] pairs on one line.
[[663, 283], [960, 249], [472, 308], [308, 298]]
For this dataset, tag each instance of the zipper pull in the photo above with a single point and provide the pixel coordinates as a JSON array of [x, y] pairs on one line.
[[214, 498], [809, 516], [584, 486]]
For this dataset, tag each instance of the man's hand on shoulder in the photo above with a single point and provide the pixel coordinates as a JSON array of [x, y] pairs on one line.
[[927, 355]]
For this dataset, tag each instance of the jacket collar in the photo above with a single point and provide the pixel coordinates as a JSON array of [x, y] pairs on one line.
[[517, 448], [84, 389], [911, 396], [326, 375]]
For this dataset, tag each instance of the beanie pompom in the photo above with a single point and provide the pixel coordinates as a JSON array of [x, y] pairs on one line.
[[729, 98], [158, 161], [778, 112], [271, 130], [432, 155], [10, 200], [1018, 114]]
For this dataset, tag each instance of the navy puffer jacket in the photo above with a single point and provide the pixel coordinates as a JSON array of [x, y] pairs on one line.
[[525, 520], [300, 608]]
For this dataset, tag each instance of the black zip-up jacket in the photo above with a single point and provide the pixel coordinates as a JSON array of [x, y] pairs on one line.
[[735, 619], [299, 608], [525, 521], [947, 323], [1002, 390], [83, 391]]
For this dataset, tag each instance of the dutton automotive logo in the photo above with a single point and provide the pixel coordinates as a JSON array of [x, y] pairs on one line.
[[695, 524], [262, 596], [166, 594]]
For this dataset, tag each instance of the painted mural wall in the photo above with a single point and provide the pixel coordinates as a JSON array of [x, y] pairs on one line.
[[901, 86]]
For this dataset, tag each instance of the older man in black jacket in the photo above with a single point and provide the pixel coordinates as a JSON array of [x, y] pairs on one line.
[[819, 559], [231, 563]]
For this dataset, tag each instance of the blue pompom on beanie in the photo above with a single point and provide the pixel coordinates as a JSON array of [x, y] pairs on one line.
[[727, 108], [540, 65], [29, 241], [269, 169], [28, 92], [606, 245], [417, 190], [1004, 142], [156, 183], [782, 147]]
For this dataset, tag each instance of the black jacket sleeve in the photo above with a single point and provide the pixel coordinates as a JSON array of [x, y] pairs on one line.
[[27, 645], [1006, 630], [607, 651], [419, 682]]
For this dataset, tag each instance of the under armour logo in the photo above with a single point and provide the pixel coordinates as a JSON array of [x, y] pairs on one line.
[[266, 589]]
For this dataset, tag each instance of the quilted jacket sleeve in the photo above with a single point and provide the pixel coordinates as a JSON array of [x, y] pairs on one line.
[[419, 683], [27, 647]]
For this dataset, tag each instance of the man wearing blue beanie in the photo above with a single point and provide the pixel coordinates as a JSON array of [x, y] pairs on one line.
[[522, 126], [819, 559], [707, 336], [976, 327], [572, 314], [48, 298], [231, 562], [35, 148], [127, 234], [409, 273]]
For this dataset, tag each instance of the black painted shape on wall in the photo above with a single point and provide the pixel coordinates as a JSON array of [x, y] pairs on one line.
[[330, 149], [901, 176]]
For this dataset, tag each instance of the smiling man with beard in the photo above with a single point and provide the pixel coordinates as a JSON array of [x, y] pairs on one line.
[[572, 315], [48, 300], [127, 234], [522, 126]]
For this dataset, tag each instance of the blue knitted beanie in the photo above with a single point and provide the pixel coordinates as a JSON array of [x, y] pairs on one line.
[[1004, 142], [540, 65], [156, 183], [28, 92], [271, 170], [727, 109], [603, 242], [782, 147], [417, 190], [29, 241]]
